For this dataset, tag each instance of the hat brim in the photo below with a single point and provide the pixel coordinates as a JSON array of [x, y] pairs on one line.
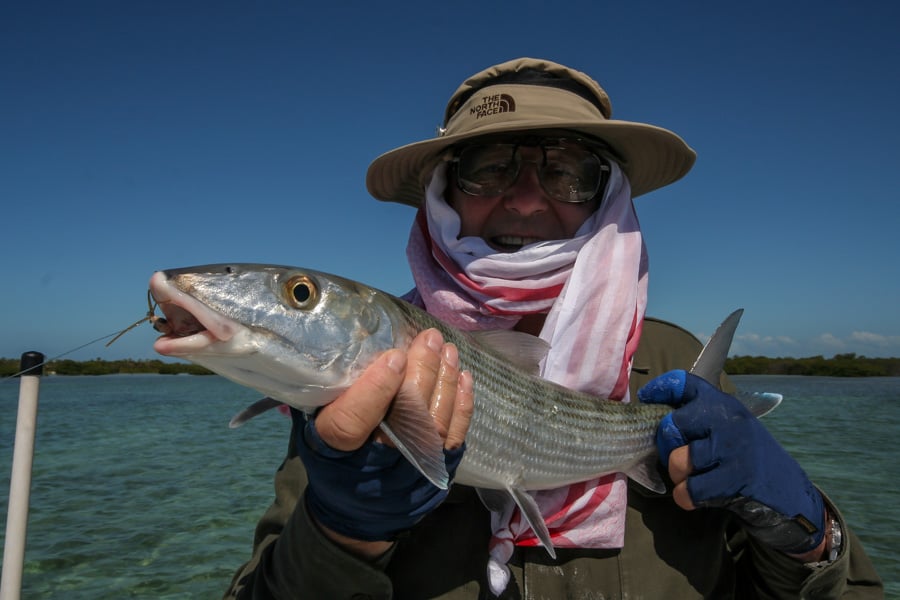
[[651, 157]]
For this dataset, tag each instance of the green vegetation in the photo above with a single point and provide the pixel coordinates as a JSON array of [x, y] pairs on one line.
[[10, 366], [842, 365]]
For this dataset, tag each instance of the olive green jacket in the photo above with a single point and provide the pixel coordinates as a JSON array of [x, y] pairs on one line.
[[668, 552]]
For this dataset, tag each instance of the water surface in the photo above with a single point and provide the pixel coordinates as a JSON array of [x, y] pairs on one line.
[[140, 489]]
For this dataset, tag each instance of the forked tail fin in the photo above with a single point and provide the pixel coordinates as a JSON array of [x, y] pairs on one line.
[[709, 365], [711, 362]]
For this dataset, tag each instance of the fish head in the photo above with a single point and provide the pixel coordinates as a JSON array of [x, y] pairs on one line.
[[299, 336]]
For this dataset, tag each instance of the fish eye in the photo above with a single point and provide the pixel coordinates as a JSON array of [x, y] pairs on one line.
[[302, 292]]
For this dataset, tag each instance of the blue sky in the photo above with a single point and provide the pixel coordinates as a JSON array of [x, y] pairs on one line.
[[145, 135]]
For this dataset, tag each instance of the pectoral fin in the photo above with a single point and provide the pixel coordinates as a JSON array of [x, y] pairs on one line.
[[411, 428]]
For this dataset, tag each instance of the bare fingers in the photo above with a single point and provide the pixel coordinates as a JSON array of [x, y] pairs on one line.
[[679, 470], [434, 378], [423, 365], [427, 373], [463, 409], [453, 399], [445, 389]]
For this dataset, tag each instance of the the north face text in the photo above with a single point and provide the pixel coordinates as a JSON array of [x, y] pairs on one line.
[[494, 104]]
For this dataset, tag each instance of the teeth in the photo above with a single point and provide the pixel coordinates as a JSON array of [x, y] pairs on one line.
[[515, 240]]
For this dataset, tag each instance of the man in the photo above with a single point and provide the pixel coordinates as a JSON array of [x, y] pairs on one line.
[[526, 222]]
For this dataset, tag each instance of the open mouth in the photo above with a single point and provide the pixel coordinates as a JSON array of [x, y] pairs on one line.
[[511, 243], [177, 322], [188, 325]]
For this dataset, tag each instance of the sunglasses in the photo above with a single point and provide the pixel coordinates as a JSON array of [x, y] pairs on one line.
[[567, 170]]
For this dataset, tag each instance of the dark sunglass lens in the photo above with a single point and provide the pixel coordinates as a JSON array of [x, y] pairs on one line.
[[487, 170], [571, 174], [568, 172]]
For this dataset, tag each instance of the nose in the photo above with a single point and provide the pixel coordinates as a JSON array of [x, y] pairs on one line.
[[526, 196]]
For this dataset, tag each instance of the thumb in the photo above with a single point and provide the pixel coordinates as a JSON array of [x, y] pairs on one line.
[[347, 423]]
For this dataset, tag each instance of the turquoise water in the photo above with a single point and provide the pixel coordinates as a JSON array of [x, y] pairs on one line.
[[140, 489]]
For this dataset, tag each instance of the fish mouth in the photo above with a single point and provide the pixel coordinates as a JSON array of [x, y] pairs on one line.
[[190, 327]]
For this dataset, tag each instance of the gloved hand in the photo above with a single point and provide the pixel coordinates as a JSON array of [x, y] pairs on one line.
[[736, 463], [372, 493]]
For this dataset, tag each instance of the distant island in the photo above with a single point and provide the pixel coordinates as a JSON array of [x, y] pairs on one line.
[[841, 365], [10, 366]]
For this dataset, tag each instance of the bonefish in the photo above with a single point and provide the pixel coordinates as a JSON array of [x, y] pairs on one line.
[[302, 337]]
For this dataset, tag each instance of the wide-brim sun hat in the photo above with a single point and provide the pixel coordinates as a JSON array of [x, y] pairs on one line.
[[532, 95]]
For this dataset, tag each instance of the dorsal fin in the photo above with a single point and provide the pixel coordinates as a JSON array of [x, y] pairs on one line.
[[523, 350]]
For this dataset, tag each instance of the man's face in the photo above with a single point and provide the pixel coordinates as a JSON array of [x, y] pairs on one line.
[[524, 213]]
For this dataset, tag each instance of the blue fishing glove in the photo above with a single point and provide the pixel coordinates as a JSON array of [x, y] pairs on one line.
[[372, 493], [737, 464]]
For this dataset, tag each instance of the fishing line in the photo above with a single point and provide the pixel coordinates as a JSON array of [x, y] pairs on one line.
[[116, 333], [151, 316]]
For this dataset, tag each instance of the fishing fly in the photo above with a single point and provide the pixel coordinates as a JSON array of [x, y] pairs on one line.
[[159, 323]]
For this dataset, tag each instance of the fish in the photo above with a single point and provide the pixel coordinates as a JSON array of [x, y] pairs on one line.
[[301, 337]]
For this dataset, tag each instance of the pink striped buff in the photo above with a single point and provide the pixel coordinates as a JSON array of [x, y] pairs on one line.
[[593, 288]]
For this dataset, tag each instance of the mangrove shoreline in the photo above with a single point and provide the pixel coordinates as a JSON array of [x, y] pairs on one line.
[[841, 365]]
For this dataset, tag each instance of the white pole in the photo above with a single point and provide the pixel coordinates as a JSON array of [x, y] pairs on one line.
[[20, 478]]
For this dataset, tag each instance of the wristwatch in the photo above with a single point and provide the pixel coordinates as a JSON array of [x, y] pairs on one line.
[[833, 545], [836, 541]]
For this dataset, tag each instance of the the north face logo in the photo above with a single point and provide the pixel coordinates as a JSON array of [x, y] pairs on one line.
[[492, 105]]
